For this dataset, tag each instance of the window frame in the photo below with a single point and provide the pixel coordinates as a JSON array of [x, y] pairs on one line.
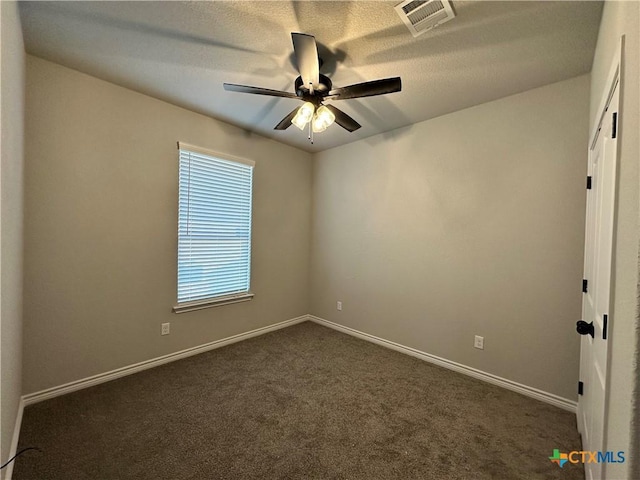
[[222, 299]]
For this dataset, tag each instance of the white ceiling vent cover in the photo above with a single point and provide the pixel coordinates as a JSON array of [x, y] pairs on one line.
[[422, 15]]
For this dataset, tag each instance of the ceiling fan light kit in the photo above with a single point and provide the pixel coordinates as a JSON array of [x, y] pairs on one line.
[[304, 115], [323, 119], [314, 89]]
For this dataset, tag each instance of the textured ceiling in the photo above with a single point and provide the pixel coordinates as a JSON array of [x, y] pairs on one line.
[[182, 52]]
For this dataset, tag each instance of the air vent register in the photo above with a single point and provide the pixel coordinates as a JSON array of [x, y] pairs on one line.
[[420, 16]]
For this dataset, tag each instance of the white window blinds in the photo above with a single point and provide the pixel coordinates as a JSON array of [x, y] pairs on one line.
[[214, 225]]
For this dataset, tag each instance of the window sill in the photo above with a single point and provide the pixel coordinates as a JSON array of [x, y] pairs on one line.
[[212, 302]]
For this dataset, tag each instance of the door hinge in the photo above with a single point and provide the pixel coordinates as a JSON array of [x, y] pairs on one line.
[[584, 285], [614, 125], [580, 388], [589, 182], [605, 324]]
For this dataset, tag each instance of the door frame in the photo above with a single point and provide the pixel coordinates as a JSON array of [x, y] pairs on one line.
[[613, 76]]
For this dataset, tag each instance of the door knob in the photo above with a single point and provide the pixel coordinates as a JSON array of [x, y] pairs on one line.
[[585, 328]]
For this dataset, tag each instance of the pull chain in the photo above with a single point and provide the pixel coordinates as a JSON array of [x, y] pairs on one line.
[[310, 129]]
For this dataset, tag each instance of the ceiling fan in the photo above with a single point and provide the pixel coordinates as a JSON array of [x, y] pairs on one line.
[[314, 89]]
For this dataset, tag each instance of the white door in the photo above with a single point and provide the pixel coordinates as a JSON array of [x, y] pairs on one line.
[[596, 321]]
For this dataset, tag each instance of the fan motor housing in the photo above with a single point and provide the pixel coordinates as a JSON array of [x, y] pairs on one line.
[[323, 87]]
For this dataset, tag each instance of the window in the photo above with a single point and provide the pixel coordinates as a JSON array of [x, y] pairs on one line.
[[214, 229]]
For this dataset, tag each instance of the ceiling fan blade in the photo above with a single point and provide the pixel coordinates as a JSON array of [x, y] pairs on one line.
[[286, 121], [306, 52], [344, 120], [232, 87], [367, 89]]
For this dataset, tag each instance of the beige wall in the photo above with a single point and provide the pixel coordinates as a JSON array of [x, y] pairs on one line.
[[101, 228], [11, 173], [470, 223], [622, 18]]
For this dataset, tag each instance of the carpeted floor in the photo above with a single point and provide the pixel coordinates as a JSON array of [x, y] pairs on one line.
[[303, 402]]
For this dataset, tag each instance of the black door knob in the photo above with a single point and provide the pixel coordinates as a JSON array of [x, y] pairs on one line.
[[585, 328]]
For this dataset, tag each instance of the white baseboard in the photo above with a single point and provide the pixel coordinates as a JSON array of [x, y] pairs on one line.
[[32, 398], [546, 397], [14, 441], [138, 367]]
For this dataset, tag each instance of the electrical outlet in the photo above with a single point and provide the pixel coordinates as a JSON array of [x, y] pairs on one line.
[[479, 342], [339, 305], [165, 328]]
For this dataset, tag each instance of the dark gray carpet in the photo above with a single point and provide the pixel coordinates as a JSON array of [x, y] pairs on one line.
[[303, 402]]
